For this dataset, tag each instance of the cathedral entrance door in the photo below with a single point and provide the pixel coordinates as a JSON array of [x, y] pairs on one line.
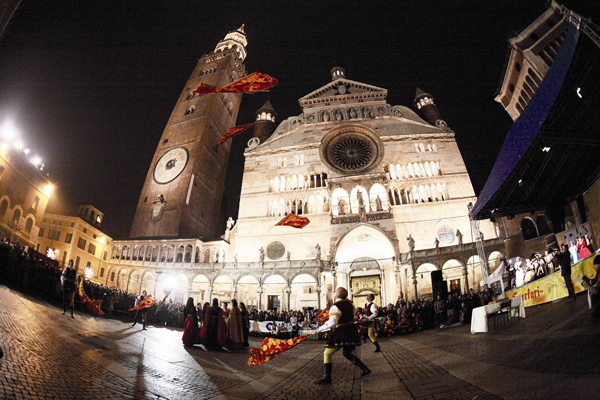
[[362, 286]]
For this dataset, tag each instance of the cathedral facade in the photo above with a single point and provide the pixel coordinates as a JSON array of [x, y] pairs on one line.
[[384, 187]]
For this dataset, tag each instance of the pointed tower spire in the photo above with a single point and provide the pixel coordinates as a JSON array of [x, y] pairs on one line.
[[234, 40]]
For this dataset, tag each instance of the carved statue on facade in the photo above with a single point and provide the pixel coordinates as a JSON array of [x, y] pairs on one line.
[[261, 254], [411, 242], [378, 205], [235, 258], [362, 210], [459, 235], [341, 207], [229, 224], [213, 255], [437, 243], [317, 252], [288, 255]]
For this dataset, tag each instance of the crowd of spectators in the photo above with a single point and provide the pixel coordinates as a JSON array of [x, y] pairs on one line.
[[537, 266]]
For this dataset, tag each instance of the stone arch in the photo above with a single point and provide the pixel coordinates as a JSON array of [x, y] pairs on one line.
[[495, 260], [148, 282], [246, 290], [4, 206], [453, 272], [542, 225], [200, 288], [528, 229], [354, 198], [180, 251], [367, 241], [188, 253], [28, 225], [274, 286], [474, 270], [122, 279], [303, 291], [222, 286], [338, 195], [423, 275], [134, 281], [378, 190], [16, 215], [181, 288]]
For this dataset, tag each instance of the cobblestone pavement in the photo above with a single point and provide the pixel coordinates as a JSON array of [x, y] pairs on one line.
[[51, 356]]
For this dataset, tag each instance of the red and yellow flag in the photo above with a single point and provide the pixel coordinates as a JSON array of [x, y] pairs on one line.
[[294, 221], [250, 84], [93, 306], [271, 348], [146, 302], [322, 317], [236, 130]]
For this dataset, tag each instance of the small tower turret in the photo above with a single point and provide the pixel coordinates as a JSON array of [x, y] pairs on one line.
[[337, 73], [427, 109], [265, 122]]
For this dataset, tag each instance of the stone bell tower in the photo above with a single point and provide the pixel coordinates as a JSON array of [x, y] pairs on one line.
[[183, 191]]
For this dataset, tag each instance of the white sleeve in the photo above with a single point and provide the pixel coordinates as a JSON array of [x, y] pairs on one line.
[[334, 317], [374, 311]]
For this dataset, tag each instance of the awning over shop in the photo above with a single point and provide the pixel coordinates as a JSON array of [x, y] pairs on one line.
[[551, 152]]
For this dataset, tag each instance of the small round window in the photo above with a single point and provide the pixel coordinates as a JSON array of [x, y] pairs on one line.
[[275, 250], [445, 234]]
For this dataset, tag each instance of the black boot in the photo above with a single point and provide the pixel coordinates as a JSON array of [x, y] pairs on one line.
[[378, 349], [144, 325], [363, 367], [134, 322], [327, 374]]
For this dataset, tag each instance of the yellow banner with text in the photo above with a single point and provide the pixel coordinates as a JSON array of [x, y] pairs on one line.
[[552, 287]]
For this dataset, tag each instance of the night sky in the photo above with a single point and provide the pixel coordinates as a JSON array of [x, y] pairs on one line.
[[91, 84]]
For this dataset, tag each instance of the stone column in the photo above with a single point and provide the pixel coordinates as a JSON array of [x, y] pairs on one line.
[[210, 291], [233, 293], [415, 286], [288, 292], [466, 275], [260, 292], [319, 297]]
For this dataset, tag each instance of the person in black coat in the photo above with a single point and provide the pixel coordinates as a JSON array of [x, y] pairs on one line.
[[564, 259]]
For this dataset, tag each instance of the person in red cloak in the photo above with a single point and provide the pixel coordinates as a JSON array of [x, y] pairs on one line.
[[214, 331], [190, 332]]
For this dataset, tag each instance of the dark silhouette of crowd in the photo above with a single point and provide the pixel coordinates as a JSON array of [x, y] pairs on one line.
[[30, 271]]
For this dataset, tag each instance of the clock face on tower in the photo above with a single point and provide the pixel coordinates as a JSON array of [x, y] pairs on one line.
[[170, 165]]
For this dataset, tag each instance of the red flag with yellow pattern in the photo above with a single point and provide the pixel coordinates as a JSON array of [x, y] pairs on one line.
[[147, 302], [271, 348], [93, 306], [236, 130], [322, 317], [294, 221], [250, 84]]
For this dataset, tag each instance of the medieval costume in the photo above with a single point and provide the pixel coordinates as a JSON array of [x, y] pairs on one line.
[[371, 311], [344, 335], [213, 332], [235, 337], [141, 311], [190, 332], [245, 323]]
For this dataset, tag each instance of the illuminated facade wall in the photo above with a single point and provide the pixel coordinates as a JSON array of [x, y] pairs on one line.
[[74, 238], [24, 196]]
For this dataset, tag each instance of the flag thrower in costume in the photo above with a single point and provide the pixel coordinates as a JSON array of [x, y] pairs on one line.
[[271, 348], [93, 306], [256, 82], [147, 302], [294, 221], [236, 130]]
